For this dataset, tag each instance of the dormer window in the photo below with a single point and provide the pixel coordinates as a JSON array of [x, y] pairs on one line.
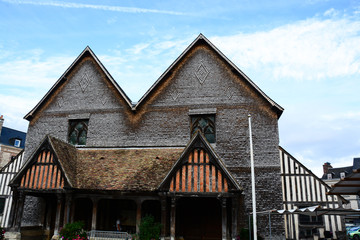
[[329, 176], [17, 142], [78, 131], [342, 175], [205, 124]]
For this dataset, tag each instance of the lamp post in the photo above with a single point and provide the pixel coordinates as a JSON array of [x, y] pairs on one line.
[[252, 180]]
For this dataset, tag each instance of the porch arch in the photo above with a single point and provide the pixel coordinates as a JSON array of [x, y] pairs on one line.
[[109, 210], [198, 218], [83, 211]]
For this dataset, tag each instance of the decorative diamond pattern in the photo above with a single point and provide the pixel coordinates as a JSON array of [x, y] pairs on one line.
[[84, 82], [202, 73], [174, 94], [228, 92], [61, 102], [103, 99]]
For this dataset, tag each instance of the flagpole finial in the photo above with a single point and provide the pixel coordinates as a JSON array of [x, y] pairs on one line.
[[249, 115]]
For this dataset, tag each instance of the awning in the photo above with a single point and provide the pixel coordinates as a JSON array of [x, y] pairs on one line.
[[317, 210], [349, 185]]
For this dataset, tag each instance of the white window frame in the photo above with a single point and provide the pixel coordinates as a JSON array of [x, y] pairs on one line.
[[17, 142]]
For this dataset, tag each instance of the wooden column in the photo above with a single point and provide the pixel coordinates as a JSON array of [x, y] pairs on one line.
[[163, 218], [224, 218], [138, 215], [58, 214], [72, 212], [95, 202], [19, 211], [68, 203], [49, 208], [172, 218], [12, 217], [235, 213]]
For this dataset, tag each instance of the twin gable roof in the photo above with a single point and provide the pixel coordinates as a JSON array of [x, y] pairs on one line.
[[201, 39]]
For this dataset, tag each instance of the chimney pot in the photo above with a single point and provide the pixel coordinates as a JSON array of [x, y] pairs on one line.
[[326, 167]]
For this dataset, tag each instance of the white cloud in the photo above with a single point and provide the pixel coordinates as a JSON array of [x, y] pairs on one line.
[[33, 70], [312, 49], [331, 13], [93, 6], [138, 48], [316, 166], [14, 109]]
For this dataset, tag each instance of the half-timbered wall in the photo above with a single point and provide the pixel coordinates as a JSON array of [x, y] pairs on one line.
[[198, 174], [6, 174], [302, 188], [43, 174]]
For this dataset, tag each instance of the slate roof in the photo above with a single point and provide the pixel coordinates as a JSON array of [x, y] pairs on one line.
[[8, 133], [347, 170]]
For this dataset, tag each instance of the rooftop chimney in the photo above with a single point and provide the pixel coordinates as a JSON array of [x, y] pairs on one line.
[[326, 167], [1, 122]]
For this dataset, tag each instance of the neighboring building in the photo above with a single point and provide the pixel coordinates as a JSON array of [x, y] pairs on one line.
[[333, 175], [11, 143], [181, 153], [302, 189], [6, 174]]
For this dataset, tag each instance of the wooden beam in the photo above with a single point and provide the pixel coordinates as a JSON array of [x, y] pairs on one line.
[[223, 219], [58, 214], [163, 218], [138, 215], [234, 212], [95, 202], [172, 218], [19, 212]]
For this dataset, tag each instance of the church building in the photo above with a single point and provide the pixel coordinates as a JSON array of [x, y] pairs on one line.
[[181, 153]]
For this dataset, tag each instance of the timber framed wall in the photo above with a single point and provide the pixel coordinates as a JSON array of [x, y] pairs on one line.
[[302, 188], [6, 174]]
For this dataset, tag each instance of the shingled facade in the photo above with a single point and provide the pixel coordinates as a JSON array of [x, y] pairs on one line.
[[181, 153]]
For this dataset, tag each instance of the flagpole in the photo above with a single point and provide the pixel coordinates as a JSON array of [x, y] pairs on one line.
[[252, 180]]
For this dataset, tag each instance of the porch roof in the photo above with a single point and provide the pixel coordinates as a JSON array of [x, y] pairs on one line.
[[124, 169]]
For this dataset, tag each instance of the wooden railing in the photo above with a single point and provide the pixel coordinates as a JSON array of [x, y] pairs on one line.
[[108, 235]]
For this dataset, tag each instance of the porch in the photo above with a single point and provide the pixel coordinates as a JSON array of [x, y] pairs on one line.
[[182, 216]]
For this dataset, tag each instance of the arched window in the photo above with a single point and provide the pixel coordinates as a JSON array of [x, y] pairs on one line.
[[78, 132], [206, 124]]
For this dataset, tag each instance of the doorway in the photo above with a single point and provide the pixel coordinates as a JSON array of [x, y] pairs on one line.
[[198, 218]]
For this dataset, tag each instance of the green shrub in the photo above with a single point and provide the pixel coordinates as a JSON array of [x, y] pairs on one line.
[[2, 233], [73, 231], [149, 229]]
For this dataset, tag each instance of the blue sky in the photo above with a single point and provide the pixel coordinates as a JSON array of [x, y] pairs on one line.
[[304, 54]]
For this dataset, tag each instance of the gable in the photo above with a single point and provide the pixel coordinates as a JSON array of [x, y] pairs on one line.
[[203, 75], [302, 187], [43, 171], [86, 84], [199, 170]]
